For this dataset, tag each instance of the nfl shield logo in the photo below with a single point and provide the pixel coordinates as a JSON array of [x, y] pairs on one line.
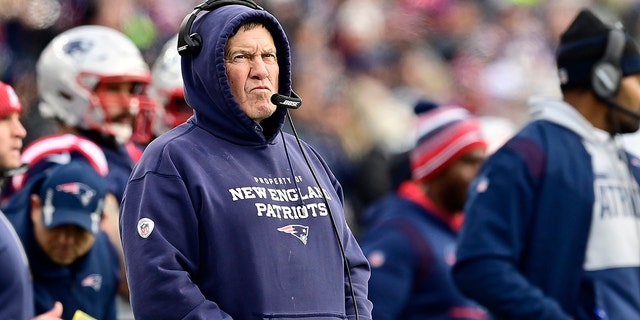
[[145, 227]]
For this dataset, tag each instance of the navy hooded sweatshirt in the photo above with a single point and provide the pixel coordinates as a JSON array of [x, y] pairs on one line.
[[531, 246], [222, 217]]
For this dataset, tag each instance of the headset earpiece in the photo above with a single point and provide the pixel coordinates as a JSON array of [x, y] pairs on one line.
[[607, 73], [191, 43]]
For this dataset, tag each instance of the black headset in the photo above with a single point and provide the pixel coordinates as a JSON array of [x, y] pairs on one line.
[[191, 43], [607, 73]]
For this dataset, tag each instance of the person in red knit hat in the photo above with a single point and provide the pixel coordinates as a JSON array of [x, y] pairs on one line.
[[411, 234]]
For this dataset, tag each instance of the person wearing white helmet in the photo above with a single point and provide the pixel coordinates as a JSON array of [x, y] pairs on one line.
[[167, 89], [92, 82]]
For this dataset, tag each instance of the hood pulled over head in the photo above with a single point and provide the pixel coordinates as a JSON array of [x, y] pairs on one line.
[[206, 86]]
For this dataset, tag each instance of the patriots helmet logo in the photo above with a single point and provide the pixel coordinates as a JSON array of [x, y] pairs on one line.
[[77, 47], [296, 230]]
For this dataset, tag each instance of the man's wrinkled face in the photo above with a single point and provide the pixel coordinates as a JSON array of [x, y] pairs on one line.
[[252, 69]]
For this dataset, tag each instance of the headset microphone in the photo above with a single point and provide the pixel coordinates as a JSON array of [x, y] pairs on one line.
[[292, 102], [617, 107], [607, 73]]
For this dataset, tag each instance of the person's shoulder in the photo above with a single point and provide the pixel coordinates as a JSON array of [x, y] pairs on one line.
[[184, 134], [389, 207]]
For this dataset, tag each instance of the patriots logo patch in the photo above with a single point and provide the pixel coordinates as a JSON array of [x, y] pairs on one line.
[[93, 281], [296, 230]]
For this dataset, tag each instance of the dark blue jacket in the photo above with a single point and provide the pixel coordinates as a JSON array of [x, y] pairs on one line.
[[222, 217], [89, 284], [522, 247], [411, 248], [16, 290]]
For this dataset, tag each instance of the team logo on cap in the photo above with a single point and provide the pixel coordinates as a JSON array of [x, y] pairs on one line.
[[77, 47], [145, 227], [296, 230], [83, 192]]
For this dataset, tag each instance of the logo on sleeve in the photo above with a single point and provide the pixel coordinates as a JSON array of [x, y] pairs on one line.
[[93, 281], [296, 230], [482, 185], [145, 227]]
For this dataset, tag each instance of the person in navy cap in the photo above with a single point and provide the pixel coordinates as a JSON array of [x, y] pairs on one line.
[[72, 260]]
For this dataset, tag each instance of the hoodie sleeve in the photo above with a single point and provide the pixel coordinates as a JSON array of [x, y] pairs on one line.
[[493, 238], [160, 262]]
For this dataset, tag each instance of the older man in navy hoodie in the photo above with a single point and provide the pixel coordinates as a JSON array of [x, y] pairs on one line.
[[226, 216]]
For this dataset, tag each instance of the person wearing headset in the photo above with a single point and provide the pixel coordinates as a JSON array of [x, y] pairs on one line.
[[552, 225], [226, 216]]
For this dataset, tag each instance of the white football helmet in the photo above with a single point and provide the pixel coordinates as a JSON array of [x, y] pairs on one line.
[[167, 89], [72, 66]]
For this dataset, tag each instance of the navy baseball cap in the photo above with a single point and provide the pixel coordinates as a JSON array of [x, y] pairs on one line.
[[73, 193]]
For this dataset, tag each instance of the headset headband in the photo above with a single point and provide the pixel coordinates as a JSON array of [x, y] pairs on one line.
[[191, 44]]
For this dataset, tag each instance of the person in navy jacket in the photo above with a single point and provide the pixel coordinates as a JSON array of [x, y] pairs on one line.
[[223, 217], [411, 234], [16, 290], [71, 259], [552, 226]]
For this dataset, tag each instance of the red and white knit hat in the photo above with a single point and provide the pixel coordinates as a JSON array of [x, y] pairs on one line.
[[443, 135], [9, 101]]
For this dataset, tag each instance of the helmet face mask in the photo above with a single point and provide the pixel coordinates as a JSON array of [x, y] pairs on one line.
[[176, 110], [167, 89], [75, 73]]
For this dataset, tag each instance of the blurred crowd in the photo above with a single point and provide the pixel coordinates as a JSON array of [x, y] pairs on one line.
[[360, 65]]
